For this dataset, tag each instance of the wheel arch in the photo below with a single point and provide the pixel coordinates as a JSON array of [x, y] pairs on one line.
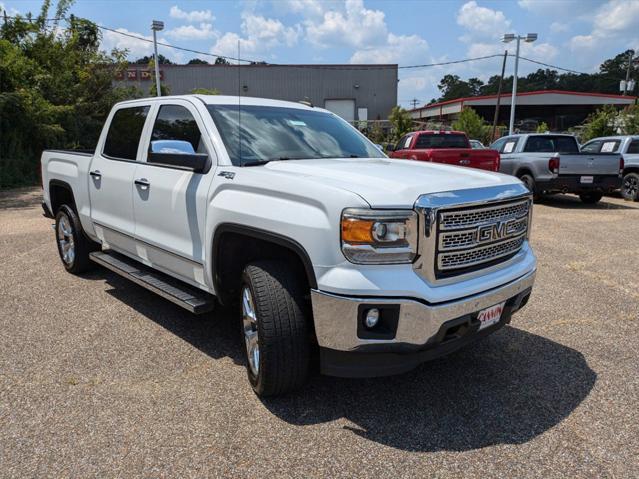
[[235, 245], [524, 170], [60, 193], [630, 169]]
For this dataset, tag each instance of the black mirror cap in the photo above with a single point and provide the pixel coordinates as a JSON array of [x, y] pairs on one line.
[[197, 162]]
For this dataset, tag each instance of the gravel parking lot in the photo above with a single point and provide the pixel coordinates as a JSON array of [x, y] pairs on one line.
[[99, 377]]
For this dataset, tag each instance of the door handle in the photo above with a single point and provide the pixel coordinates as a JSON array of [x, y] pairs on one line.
[[143, 183], [96, 174]]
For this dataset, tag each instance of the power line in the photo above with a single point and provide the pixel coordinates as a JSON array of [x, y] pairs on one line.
[[553, 66]]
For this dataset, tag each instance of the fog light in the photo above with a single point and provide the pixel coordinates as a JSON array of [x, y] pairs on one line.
[[372, 318]]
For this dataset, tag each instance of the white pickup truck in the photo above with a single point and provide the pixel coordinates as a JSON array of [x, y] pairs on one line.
[[327, 248]]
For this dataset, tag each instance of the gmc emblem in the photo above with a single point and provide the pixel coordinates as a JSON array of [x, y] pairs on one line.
[[497, 231]]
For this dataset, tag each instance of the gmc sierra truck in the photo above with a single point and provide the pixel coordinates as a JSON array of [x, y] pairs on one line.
[[628, 146], [552, 163], [448, 147], [332, 253]]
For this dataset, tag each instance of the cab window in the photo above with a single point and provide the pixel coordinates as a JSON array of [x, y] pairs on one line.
[[592, 147], [124, 133], [175, 122]]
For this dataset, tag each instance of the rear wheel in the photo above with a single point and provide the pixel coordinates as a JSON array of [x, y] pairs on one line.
[[73, 246], [590, 198], [274, 327], [529, 181], [630, 187]]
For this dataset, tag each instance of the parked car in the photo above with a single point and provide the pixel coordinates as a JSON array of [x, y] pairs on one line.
[[628, 146], [477, 145], [552, 163], [329, 249], [449, 147]]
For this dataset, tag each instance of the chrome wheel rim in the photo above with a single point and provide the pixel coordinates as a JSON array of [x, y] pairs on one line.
[[249, 325], [631, 186], [65, 240]]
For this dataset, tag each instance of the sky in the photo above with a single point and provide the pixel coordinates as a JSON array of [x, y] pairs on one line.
[[573, 34]]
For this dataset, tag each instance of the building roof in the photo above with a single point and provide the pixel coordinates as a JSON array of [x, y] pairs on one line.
[[541, 97]]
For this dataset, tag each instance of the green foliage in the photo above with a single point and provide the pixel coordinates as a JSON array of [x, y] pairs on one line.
[[221, 61], [197, 61], [205, 91], [55, 89], [600, 123], [401, 121], [472, 124], [542, 127], [376, 133], [630, 120]]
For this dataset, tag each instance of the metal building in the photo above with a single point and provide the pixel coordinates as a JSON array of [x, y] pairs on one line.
[[355, 92]]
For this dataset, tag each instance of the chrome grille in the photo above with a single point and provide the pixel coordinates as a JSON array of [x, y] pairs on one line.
[[467, 238]]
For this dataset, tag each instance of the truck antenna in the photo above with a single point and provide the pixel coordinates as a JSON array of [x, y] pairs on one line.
[[239, 101]]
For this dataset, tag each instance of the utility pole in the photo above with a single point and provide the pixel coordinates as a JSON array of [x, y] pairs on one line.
[[501, 79], [414, 102], [625, 86], [157, 26]]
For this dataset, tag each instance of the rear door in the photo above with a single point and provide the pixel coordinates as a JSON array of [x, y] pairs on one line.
[[170, 202], [507, 147], [111, 177]]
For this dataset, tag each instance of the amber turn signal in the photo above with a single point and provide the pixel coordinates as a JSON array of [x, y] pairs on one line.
[[357, 231]]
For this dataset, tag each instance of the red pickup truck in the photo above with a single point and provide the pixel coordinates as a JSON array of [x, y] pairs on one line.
[[450, 147]]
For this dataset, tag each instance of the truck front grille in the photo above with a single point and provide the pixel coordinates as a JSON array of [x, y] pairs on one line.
[[473, 238]]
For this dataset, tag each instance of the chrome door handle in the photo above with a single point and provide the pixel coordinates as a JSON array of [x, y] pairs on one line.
[[143, 183], [96, 174]]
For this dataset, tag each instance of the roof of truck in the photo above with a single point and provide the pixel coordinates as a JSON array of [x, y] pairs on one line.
[[230, 100]]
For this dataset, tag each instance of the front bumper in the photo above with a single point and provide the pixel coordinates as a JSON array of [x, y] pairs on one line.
[[572, 184], [413, 331]]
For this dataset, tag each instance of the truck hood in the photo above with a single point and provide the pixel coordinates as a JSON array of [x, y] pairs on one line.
[[389, 183]]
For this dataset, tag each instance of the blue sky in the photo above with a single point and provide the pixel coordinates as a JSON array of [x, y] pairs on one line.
[[575, 34]]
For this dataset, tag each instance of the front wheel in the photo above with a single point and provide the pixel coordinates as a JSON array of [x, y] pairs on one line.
[[630, 187], [590, 198], [274, 327]]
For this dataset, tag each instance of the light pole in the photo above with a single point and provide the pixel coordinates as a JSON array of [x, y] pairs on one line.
[[157, 26], [507, 38]]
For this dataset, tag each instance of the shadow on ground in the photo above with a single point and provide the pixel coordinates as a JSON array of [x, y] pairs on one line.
[[20, 198], [507, 389], [573, 202]]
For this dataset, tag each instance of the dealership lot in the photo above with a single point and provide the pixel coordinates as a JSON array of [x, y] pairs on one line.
[[101, 377]]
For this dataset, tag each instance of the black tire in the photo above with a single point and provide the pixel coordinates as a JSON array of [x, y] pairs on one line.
[[590, 198], [529, 181], [283, 333], [82, 245], [630, 186]]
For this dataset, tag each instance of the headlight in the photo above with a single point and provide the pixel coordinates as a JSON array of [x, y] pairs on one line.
[[379, 236]]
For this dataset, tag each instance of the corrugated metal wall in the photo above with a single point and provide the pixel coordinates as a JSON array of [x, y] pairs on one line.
[[373, 88]]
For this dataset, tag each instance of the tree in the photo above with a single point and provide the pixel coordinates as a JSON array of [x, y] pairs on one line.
[[472, 124], [205, 91], [56, 88], [630, 120], [542, 127], [197, 61], [600, 123], [401, 121], [148, 59], [221, 61], [453, 87]]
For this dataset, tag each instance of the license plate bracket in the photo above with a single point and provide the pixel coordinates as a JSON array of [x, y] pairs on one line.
[[587, 180], [490, 316]]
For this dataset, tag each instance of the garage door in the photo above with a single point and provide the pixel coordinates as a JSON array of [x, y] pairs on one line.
[[343, 108]]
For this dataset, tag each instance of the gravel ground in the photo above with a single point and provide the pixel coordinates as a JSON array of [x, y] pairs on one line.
[[99, 377]]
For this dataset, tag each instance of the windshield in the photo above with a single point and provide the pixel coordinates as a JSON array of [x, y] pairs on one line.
[[275, 133], [551, 144]]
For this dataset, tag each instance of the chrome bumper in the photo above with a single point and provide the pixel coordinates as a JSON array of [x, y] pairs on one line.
[[336, 316]]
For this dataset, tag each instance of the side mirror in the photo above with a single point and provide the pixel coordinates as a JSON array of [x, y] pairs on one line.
[[178, 154]]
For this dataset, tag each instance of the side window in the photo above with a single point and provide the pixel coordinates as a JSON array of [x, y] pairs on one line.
[[610, 146], [497, 145], [409, 138], [124, 133], [175, 122], [633, 147], [592, 147], [403, 143], [509, 145]]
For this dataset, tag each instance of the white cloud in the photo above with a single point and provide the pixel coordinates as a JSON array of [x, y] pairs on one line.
[[260, 34], [558, 27], [307, 8], [11, 11], [355, 26], [397, 49], [192, 16], [614, 20], [481, 21], [191, 32], [137, 48]]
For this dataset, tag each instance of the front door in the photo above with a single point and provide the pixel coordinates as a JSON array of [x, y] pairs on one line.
[[111, 179], [170, 202]]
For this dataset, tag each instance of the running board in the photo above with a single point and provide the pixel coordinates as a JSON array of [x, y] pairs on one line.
[[176, 291]]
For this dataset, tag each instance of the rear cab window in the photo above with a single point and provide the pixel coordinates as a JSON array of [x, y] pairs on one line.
[[633, 148], [125, 130], [551, 144], [427, 141]]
